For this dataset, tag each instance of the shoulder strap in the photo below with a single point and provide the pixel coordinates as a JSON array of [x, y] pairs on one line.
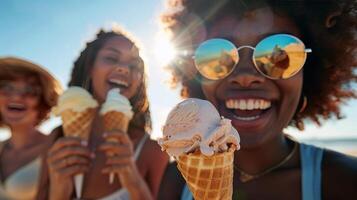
[[186, 193], [140, 146], [311, 158]]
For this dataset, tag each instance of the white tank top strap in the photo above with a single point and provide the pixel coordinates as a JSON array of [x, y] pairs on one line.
[[140, 146], [122, 194]]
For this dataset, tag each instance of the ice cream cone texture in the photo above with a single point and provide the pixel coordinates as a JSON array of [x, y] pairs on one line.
[[76, 106], [116, 111]]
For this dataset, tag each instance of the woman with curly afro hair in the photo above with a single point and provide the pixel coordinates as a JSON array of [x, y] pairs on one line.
[[266, 65]]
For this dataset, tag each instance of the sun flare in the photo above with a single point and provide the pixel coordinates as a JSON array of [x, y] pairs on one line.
[[164, 50]]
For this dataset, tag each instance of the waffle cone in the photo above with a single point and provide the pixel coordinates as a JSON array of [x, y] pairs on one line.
[[208, 177], [115, 120], [78, 124]]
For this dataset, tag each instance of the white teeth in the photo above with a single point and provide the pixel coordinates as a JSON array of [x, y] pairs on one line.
[[246, 118], [248, 104], [119, 82]]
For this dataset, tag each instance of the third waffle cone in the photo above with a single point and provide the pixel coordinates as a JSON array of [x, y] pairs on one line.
[[78, 124], [208, 177]]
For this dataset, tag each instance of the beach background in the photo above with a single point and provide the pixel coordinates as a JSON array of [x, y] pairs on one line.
[[52, 34]]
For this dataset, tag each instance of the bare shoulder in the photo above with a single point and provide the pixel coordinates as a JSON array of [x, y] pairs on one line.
[[339, 175], [152, 154], [151, 147]]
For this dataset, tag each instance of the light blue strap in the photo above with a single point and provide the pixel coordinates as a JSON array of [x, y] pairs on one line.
[[186, 193], [311, 158]]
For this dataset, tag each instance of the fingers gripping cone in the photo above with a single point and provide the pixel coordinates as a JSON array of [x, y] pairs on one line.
[[78, 124], [114, 120], [117, 113], [77, 108], [208, 177]]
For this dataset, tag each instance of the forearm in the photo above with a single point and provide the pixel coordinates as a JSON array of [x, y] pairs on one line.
[[136, 185]]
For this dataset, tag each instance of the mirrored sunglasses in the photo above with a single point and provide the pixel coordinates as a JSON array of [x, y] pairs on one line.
[[279, 56]]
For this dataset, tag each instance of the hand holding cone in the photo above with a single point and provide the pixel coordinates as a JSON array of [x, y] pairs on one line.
[[117, 113], [77, 109]]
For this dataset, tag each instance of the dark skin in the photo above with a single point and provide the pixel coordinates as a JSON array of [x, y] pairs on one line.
[[114, 67], [264, 138]]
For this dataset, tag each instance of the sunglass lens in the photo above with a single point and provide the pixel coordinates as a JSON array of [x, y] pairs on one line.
[[280, 56], [215, 58]]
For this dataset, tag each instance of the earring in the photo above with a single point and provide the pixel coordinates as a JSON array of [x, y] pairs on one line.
[[304, 104]]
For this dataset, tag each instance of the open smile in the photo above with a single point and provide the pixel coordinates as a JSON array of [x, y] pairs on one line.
[[247, 113]]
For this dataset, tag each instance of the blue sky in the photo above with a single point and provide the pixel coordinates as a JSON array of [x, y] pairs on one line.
[[52, 33]]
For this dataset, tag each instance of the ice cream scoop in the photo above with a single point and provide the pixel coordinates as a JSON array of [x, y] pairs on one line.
[[203, 144], [117, 102], [196, 124]]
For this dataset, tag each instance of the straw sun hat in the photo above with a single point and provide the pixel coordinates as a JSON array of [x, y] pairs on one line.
[[51, 86]]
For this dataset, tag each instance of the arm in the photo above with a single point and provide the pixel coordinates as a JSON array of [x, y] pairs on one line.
[[172, 183], [157, 162], [120, 160]]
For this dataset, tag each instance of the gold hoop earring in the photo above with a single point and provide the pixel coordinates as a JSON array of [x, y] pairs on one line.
[[304, 104]]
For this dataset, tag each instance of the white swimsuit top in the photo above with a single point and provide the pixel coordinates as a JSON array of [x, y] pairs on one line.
[[23, 183], [123, 194]]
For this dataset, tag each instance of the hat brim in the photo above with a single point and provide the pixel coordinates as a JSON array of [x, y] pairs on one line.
[[52, 87]]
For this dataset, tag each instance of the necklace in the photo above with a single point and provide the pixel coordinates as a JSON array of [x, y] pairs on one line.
[[245, 177]]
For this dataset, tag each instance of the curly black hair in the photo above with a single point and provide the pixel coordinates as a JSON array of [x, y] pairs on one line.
[[329, 27], [84, 64]]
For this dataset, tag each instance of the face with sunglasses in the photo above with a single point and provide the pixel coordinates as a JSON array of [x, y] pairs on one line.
[[251, 69], [19, 100]]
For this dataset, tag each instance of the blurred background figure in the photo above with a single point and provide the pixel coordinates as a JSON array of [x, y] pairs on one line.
[[27, 93]]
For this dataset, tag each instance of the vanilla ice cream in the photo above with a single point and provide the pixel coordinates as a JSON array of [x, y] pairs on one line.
[[76, 99], [117, 102]]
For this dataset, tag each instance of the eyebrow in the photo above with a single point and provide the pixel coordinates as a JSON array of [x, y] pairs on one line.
[[112, 49]]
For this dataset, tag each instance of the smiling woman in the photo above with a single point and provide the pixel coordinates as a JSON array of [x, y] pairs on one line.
[[111, 63], [27, 93], [249, 62]]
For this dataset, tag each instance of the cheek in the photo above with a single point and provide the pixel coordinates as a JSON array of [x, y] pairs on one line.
[[291, 92], [210, 90]]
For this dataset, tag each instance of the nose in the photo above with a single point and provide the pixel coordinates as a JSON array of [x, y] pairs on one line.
[[122, 69], [245, 74]]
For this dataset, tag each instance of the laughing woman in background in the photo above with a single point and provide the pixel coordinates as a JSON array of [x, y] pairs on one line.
[[27, 93]]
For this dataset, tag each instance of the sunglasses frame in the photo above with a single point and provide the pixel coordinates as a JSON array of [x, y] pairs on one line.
[[306, 50], [25, 92]]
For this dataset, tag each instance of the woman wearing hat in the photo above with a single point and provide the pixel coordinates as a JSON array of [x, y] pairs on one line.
[[27, 93]]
